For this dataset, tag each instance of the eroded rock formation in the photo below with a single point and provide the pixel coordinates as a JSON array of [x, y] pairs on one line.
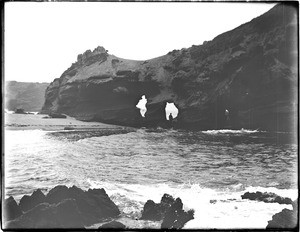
[[251, 71], [266, 197], [62, 207], [286, 219], [169, 210]]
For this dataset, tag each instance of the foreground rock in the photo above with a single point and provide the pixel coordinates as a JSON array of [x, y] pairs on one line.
[[169, 210], [266, 197], [11, 209], [93, 204], [28, 202], [250, 71], [62, 207], [62, 215], [286, 219]]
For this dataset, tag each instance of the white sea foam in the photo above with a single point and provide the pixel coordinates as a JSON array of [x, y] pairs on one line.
[[225, 131], [213, 208]]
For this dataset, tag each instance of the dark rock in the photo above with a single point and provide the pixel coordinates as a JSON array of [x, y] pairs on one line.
[[56, 115], [113, 225], [156, 212], [93, 204], [28, 202], [45, 216], [176, 217], [20, 111], [285, 219], [10, 209], [63, 207], [266, 197], [169, 210]]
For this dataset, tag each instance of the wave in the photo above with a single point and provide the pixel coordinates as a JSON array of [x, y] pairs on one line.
[[227, 131], [214, 208]]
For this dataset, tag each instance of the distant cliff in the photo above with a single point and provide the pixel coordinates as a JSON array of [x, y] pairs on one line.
[[26, 95], [250, 71]]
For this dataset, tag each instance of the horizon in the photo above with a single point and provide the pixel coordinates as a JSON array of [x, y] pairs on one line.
[[43, 49]]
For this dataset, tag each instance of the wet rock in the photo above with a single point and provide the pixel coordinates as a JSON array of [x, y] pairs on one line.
[[156, 212], [266, 197], [62, 215], [93, 204], [28, 202], [113, 225], [176, 217], [56, 115], [169, 210], [285, 219], [11, 210]]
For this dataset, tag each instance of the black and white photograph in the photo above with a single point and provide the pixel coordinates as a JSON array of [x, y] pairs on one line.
[[150, 115]]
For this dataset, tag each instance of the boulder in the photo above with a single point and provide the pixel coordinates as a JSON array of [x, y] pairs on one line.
[[176, 217], [93, 204], [57, 115], [156, 212], [266, 197], [285, 219], [45, 216], [113, 225], [28, 202], [169, 210], [11, 210]]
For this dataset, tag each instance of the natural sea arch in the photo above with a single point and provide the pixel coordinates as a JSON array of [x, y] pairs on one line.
[[142, 105], [171, 109]]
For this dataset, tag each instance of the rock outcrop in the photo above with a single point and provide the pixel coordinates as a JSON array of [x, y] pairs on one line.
[[28, 202], [286, 219], [64, 214], [169, 210], [11, 209], [267, 197], [62, 207], [250, 71]]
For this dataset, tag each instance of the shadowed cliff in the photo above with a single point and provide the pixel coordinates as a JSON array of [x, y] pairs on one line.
[[250, 71]]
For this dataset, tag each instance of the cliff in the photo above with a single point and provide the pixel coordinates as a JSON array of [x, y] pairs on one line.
[[29, 96], [251, 71]]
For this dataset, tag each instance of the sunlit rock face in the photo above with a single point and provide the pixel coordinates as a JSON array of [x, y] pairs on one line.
[[250, 71]]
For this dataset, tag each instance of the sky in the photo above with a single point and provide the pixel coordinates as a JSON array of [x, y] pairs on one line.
[[43, 39]]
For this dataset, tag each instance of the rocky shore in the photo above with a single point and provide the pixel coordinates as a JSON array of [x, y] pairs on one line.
[[74, 208]]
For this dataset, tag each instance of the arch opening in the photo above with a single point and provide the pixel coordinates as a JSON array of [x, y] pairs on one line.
[[171, 111], [142, 105]]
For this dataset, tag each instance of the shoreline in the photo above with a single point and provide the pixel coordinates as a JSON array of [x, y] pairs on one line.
[[85, 208]]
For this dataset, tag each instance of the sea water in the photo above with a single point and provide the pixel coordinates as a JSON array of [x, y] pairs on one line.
[[208, 170]]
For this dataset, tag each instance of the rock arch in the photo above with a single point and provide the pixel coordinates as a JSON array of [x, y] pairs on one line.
[[142, 105], [171, 109]]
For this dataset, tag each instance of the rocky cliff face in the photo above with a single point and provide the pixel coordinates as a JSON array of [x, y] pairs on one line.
[[26, 95], [251, 71]]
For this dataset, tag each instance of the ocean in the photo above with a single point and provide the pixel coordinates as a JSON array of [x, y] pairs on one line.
[[208, 170]]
